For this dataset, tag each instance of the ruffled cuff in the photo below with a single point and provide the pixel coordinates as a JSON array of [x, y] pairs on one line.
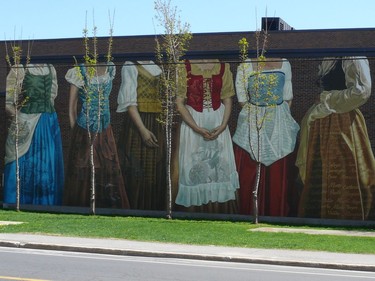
[[321, 110]]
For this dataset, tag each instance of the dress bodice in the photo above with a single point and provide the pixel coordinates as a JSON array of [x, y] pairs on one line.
[[334, 79], [94, 97], [37, 93], [266, 89], [204, 92], [148, 91]]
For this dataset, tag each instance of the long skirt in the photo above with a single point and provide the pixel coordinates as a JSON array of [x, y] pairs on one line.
[[276, 181], [144, 168], [340, 169], [109, 184], [41, 169]]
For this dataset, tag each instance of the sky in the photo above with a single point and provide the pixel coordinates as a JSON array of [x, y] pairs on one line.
[[54, 19]]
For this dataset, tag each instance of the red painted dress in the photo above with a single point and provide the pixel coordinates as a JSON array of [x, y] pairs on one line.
[[207, 171]]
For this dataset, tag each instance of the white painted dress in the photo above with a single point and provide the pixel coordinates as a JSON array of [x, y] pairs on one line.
[[207, 171]]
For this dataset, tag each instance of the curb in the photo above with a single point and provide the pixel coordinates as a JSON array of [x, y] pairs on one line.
[[165, 254]]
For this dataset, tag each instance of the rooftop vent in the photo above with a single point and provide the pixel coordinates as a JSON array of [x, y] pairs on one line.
[[275, 24]]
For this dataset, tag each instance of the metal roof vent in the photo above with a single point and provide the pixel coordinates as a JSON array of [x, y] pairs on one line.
[[275, 24]]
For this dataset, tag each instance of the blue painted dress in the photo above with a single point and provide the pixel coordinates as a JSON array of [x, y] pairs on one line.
[[109, 183], [267, 108], [270, 104], [41, 164]]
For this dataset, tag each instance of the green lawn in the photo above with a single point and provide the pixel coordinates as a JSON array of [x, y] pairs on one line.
[[199, 232]]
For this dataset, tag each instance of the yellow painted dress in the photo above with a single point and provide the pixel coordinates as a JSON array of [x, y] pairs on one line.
[[143, 167]]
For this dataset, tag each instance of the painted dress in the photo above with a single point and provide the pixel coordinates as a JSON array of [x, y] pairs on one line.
[[41, 166], [143, 167], [109, 187], [207, 171], [277, 138], [335, 160]]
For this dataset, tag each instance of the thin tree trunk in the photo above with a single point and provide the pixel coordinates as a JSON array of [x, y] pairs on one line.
[[16, 97], [92, 163], [169, 181], [255, 193], [168, 128], [18, 181], [258, 175], [92, 140], [92, 174]]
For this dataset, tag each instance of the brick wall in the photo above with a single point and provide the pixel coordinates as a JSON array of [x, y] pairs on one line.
[[302, 48]]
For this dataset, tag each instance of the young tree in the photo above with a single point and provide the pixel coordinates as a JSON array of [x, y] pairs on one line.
[[15, 100], [91, 87], [261, 92], [170, 48]]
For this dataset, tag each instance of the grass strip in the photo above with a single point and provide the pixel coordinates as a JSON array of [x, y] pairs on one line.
[[197, 232]]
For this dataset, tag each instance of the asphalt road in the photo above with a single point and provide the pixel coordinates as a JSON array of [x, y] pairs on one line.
[[40, 265]]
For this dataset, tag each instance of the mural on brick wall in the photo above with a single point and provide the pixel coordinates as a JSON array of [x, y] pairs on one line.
[[315, 149], [40, 156]]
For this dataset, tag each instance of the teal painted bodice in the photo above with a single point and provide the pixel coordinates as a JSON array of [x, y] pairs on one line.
[[98, 93], [270, 88], [37, 93]]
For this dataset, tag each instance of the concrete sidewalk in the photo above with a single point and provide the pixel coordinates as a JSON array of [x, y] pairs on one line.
[[360, 262]]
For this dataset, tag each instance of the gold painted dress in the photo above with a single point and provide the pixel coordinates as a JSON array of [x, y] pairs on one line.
[[335, 159]]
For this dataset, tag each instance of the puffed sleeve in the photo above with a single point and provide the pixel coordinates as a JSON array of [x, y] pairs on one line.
[[111, 70], [288, 89], [358, 82], [54, 87], [227, 89], [74, 76], [14, 83], [243, 72], [127, 95]]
